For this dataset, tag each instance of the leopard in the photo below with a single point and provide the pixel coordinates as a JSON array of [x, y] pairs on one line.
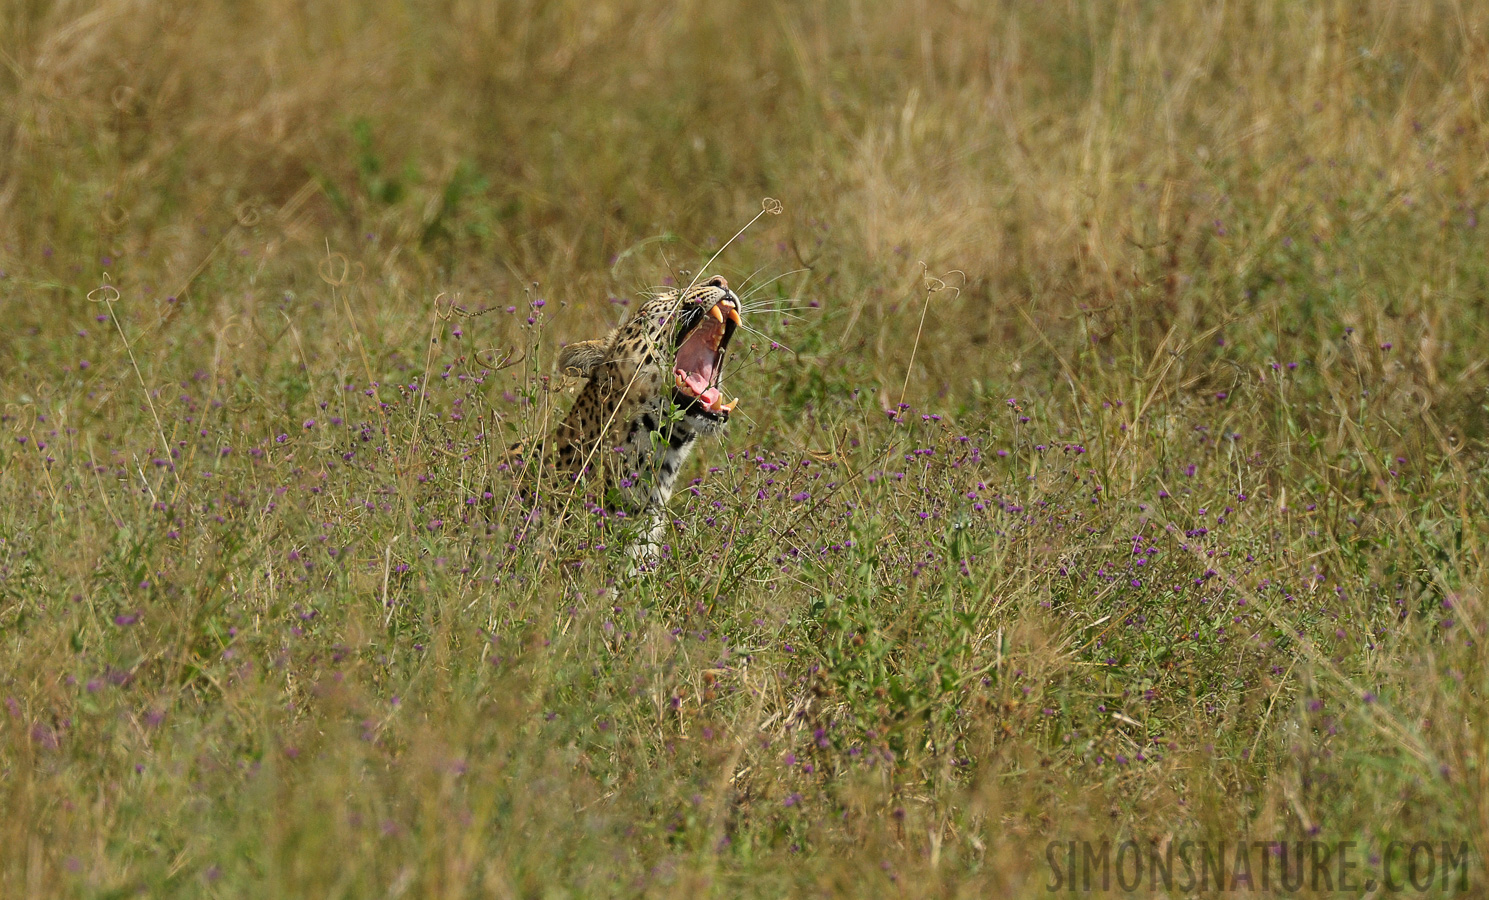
[[651, 389]]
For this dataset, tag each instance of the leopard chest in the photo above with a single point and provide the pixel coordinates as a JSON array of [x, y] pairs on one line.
[[652, 455], [626, 437]]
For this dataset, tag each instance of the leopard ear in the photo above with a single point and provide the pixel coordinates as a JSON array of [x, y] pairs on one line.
[[580, 359]]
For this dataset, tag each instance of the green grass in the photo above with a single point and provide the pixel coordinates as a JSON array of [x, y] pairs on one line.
[[1176, 535]]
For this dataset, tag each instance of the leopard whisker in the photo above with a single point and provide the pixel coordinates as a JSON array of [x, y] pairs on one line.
[[757, 316], [735, 365], [751, 275], [773, 304], [775, 300], [774, 311], [765, 337], [784, 303], [767, 284]]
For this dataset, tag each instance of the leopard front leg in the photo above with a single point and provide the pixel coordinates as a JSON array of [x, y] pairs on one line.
[[646, 549]]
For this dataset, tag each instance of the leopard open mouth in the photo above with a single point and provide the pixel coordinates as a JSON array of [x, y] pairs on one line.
[[698, 369]]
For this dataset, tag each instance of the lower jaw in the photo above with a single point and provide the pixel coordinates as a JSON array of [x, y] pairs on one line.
[[694, 407]]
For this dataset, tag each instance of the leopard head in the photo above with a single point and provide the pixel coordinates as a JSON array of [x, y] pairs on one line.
[[675, 342]]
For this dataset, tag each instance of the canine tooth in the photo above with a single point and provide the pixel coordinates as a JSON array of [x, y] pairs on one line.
[[733, 315], [713, 313], [728, 407]]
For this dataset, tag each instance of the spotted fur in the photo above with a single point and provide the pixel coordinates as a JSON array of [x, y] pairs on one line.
[[634, 422]]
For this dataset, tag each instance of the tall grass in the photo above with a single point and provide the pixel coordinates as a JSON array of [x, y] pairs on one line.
[[1117, 472]]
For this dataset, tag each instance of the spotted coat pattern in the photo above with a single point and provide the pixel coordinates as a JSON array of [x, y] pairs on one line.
[[630, 431]]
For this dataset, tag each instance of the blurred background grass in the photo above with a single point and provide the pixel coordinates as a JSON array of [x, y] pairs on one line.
[[1143, 214], [1115, 170]]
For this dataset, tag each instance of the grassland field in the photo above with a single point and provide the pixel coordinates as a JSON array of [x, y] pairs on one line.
[[1110, 460]]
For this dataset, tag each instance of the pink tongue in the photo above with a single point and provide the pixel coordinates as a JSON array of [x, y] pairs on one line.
[[697, 382]]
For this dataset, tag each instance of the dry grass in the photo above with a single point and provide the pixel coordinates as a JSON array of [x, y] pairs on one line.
[[264, 635]]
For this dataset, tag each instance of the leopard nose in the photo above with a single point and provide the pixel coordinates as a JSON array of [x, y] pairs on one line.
[[718, 282]]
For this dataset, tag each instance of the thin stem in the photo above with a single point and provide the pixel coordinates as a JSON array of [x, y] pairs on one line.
[[164, 444]]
